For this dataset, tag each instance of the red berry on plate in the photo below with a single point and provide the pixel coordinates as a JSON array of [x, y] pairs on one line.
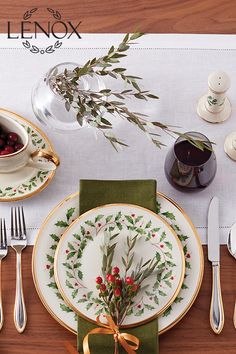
[[119, 282], [13, 136], [111, 278], [116, 270], [134, 288], [129, 280], [99, 280], [2, 143], [117, 292], [103, 287], [18, 146], [9, 149]]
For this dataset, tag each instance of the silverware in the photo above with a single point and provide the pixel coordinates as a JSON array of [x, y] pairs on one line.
[[3, 253], [18, 243], [216, 308], [231, 244]]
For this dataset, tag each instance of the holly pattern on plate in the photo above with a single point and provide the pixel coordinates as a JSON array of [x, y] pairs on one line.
[[35, 181], [70, 216], [112, 225]]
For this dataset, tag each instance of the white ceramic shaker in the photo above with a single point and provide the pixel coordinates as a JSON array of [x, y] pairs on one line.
[[215, 106]]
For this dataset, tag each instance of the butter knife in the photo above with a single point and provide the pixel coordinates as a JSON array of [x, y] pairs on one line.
[[216, 308]]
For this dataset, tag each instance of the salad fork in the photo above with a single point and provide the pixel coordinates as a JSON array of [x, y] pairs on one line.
[[18, 243], [3, 253]]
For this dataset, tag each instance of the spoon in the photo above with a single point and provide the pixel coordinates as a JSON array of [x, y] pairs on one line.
[[231, 244]]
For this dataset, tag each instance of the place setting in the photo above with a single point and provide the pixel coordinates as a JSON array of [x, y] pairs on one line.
[[118, 263]]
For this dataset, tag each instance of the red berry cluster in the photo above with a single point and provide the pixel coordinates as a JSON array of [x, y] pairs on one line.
[[9, 143], [113, 284]]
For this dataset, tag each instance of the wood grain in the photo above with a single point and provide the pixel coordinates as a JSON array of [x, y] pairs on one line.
[[180, 16], [44, 335]]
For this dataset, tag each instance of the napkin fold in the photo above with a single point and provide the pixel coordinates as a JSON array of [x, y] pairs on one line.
[[95, 193]]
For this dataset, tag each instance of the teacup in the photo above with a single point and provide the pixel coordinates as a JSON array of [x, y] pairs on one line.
[[27, 156]]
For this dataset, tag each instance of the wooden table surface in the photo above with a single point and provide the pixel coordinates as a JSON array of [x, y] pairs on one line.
[[193, 334]]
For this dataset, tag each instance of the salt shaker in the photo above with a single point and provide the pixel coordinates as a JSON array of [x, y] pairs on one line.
[[230, 145], [215, 106]]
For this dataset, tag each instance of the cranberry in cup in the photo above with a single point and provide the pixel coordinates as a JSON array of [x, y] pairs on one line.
[[10, 142]]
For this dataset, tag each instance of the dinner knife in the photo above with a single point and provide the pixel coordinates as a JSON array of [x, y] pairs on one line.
[[216, 308]]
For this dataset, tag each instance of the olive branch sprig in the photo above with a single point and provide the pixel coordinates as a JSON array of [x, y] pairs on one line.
[[118, 291], [91, 107]]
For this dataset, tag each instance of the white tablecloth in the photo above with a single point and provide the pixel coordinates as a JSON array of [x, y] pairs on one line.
[[176, 68]]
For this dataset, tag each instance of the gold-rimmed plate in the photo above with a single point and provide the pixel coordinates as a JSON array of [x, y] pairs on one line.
[[66, 212], [83, 249], [27, 181]]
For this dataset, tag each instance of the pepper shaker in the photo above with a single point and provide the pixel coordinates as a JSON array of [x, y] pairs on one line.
[[215, 106]]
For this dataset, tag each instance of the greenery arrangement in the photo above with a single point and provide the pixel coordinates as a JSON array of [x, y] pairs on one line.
[[118, 292], [92, 107]]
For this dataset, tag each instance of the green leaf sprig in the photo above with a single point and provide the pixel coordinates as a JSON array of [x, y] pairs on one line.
[[93, 108]]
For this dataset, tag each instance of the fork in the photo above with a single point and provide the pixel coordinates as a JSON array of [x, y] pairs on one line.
[[3, 253], [18, 243]]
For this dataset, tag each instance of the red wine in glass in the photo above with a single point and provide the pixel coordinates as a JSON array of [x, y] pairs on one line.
[[188, 168]]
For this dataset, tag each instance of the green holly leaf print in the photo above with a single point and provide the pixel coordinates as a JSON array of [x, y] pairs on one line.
[[75, 293], [163, 236], [168, 245], [65, 308], [50, 258], [183, 238], [61, 223], [178, 299], [161, 293], [148, 225], [184, 286], [70, 213], [158, 207], [52, 285], [98, 218], [67, 265], [129, 219], [168, 215], [168, 311], [140, 312], [69, 285]]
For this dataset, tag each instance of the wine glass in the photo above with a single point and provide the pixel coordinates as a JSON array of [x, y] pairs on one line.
[[188, 168]]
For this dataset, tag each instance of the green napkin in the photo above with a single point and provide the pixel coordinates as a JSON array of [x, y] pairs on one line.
[[94, 193]]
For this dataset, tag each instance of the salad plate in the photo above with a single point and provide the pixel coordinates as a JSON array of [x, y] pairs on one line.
[[66, 212], [130, 238]]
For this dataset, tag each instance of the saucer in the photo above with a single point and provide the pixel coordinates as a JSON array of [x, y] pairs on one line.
[[27, 181]]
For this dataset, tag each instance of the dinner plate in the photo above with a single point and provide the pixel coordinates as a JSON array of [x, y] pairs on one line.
[[128, 237], [27, 181], [66, 212]]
